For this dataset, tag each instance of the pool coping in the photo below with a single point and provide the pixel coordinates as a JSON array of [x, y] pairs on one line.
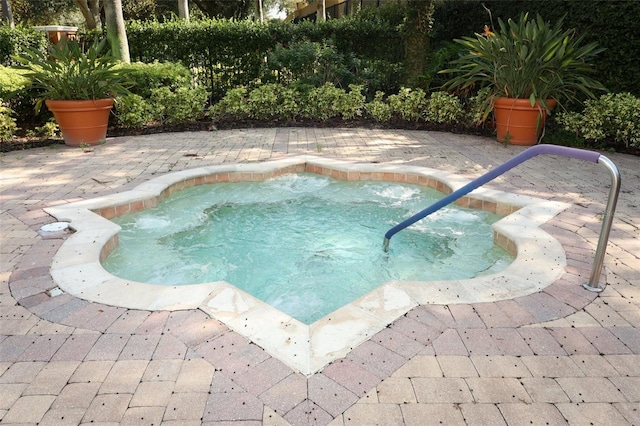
[[77, 270]]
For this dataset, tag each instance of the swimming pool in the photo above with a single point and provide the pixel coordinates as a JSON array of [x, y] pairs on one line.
[[305, 244], [77, 267]]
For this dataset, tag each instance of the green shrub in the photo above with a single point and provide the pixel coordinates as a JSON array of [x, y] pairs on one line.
[[162, 92], [262, 102], [378, 108], [133, 111], [182, 105], [312, 63], [409, 104], [228, 54], [329, 101], [233, 105], [351, 104], [16, 41], [147, 77], [48, 130], [20, 97], [392, 13], [277, 102], [443, 108], [294, 62], [612, 116], [376, 75], [322, 102], [289, 103], [8, 125], [476, 106], [12, 80], [272, 101]]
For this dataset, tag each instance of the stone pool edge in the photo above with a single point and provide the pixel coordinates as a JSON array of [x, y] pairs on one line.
[[77, 270]]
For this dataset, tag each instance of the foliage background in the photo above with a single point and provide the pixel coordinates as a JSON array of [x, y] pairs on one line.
[[227, 53], [613, 24], [369, 49]]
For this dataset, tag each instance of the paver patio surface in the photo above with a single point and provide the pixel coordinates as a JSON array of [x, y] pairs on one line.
[[560, 356]]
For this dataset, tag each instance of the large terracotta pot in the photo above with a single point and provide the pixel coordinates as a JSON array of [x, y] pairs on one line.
[[517, 122], [82, 122]]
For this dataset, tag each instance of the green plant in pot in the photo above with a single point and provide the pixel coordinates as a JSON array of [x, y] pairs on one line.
[[529, 67], [77, 86]]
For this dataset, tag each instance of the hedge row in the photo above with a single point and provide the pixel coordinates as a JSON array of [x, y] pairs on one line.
[[229, 53], [609, 122], [226, 54], [14, 41], [290, 103]]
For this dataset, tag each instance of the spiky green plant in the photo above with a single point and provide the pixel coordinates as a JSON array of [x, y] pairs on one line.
[[527, 59], [67, 72]]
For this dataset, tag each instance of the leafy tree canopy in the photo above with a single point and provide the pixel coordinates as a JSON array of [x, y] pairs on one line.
[[48, 12], [237, 9], [44, 12], [141, 10]]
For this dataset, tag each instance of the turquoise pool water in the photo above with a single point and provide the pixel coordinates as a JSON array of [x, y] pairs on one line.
[[305, 244]]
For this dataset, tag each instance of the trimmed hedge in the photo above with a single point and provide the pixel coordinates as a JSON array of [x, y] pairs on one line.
[[162, 93], [147, 77], [227, 54], [14, 42], [327, 102], [19, 99]]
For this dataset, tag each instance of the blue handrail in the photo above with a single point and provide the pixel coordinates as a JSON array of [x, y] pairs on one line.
[[579, 154]]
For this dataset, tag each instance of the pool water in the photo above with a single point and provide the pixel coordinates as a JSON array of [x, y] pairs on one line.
[[306, 244]]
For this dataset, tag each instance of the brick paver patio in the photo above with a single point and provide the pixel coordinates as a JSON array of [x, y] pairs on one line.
[[560, 356]]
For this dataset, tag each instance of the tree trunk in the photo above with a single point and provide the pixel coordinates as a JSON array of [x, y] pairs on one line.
[[183, 9], [259, 11], [116, 32], [7, 14], [321, 14], [90, 9], [419, 24]]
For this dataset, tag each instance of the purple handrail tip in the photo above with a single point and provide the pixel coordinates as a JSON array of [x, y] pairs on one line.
[[579, 154]]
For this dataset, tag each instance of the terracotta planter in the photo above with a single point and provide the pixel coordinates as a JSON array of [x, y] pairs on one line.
[[517, 122], [82, 122]]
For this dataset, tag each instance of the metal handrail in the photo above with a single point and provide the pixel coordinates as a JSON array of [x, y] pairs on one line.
[[579, 154], [607, 221]]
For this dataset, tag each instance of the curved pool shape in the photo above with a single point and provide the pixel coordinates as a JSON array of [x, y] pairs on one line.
[[305, 244], [77, 267]]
